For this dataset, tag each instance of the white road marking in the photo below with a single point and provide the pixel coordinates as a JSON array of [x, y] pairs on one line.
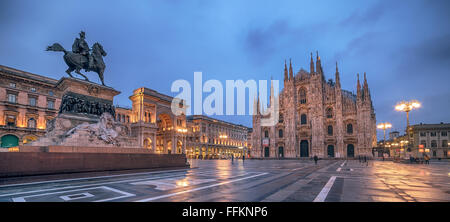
[[323, 194], [88, 178], [124, 194], [343, 163], [199, 188], [78, 196], [105, 183], [172, 183], [298, 168], [87, 185], [338, 169]]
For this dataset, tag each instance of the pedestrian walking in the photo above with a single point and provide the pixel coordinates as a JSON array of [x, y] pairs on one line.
[[232, 159], [315, 159], [243, 158], [427, 159]]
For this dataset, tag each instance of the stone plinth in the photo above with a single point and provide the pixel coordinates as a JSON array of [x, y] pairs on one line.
[[86, 118], [41, 162], [83, 97], [86, 88]]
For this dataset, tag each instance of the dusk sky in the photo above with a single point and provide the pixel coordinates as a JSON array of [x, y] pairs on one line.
[[403, 46]]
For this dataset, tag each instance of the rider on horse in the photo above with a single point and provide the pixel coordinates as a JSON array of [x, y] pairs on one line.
[[81, 58], [81, 47]]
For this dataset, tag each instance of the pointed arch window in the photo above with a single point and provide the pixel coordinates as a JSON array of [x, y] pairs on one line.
[[302, 96], [330, 130], [329, 113], [350, 128], [303, 119]]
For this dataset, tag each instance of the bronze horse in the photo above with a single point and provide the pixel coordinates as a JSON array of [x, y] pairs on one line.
[[77, 61]]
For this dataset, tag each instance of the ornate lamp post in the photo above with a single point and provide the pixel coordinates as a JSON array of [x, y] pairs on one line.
[[407, 106], [384, 126]]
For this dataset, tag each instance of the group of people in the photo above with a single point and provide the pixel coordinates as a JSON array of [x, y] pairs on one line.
[[426, 159], [364, 160], [232, 159]]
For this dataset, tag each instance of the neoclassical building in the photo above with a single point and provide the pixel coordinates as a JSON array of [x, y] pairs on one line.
[[209, 138], [430, 139], [27, 102], [316, 117]]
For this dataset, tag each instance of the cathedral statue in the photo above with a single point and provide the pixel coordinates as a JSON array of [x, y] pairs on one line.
[[82, 57]]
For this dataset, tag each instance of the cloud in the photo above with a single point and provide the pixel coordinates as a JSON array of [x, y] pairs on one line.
[[262, 42], [435, 49], [368, 17], [428, 57]]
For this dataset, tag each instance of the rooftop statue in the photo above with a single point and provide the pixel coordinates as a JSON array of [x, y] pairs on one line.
[[81, 57]]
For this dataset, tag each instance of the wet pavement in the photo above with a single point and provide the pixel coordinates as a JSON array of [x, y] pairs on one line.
[[254, 180]]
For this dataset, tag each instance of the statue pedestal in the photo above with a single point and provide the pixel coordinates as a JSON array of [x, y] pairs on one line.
[[86, 98], [86, 118], [83, 87]]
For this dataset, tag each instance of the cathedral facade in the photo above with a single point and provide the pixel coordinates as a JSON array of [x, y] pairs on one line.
[[316, 118]]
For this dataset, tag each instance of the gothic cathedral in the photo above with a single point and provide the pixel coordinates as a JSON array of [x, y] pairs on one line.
[[316, 117]]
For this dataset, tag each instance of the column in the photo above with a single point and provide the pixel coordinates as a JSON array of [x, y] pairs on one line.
[[164, 144], [154, 142]]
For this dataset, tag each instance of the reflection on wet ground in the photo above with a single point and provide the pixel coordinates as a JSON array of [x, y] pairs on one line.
[[252, 180]]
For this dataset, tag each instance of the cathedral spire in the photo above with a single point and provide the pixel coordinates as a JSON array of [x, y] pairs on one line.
[[338, 80], [366, 88], [365, 81], [285, 72], [291, 73], [318, 64], [358, 88], [311, 68]]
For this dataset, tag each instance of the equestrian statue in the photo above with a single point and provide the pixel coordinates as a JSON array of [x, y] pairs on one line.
[[81, 58]]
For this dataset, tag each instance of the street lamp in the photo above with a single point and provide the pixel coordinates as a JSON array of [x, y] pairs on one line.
[[407, 106], [384, 126]]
